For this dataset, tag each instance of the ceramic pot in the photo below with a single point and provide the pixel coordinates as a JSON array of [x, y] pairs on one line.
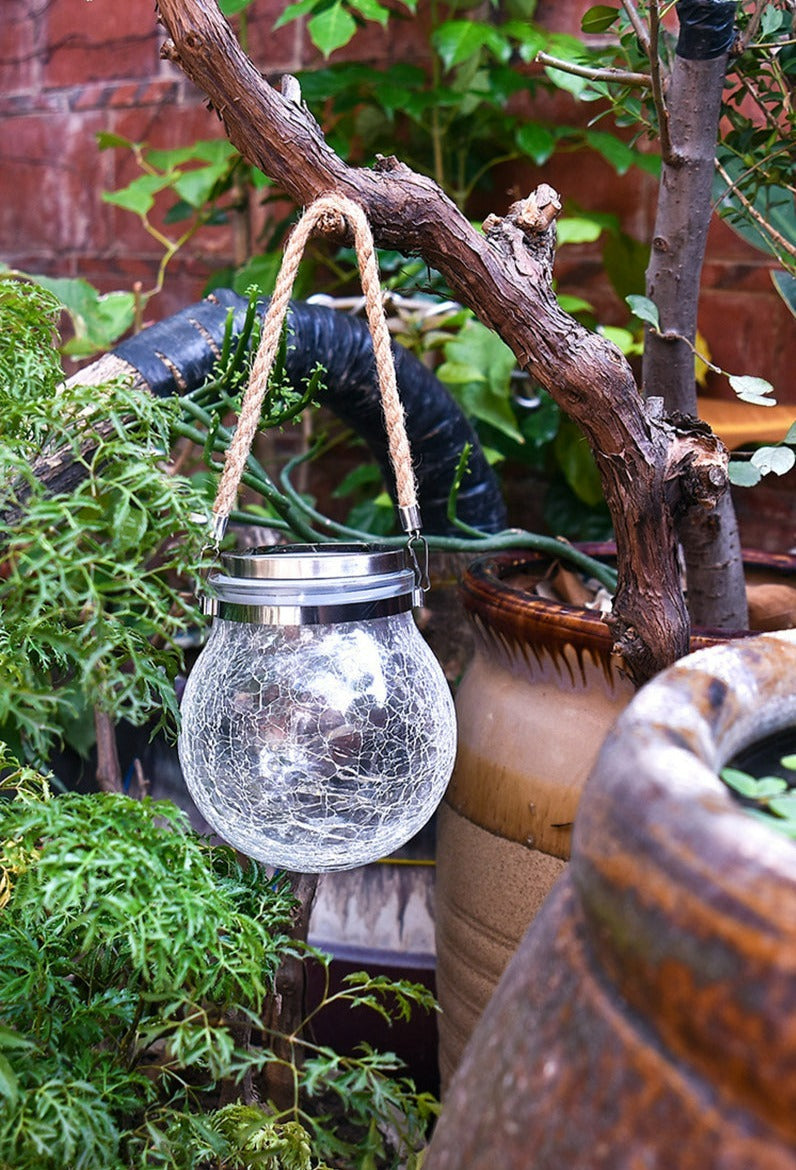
[[648, 1018], [533, 708]]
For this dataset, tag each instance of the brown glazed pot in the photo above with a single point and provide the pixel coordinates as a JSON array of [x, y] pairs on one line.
[[648, 1019], [533, 708]]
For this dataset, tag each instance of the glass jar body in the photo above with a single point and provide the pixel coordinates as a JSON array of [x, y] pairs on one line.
[[317, 747]]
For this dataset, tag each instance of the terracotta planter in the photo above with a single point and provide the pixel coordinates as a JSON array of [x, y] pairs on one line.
[[648, 1018], [533, 709]]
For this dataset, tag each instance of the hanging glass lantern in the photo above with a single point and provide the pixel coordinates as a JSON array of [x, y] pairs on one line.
[[318, 730]]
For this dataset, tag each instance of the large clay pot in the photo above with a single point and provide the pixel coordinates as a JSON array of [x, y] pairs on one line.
[[533, 709], [648, 1018]]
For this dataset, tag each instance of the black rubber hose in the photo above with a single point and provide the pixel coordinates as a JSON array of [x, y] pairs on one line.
[[179, 352]]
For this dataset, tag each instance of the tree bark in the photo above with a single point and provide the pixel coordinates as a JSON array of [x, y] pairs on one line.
[[709, 537], [505, 276]]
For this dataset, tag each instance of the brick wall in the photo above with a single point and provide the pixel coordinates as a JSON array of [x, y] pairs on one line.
[[72, 68]]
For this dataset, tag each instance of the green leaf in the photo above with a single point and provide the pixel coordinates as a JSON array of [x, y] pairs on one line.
[[741, 782], [785, 284], [751, 389], [459, 40], [537, 141], [645, 309], [623, 339], [743, 473], [577, 464], [789, 762], [598, 19], [196, 187], [574, 229], [784, 806], [459, 374], [233, 7], [8, 1082], [331, 29], [613, 149], [107, 141], [778, 460], [372, 10], [768, 786], [296, 10], [573, 305], [138, 196], [791, 435]]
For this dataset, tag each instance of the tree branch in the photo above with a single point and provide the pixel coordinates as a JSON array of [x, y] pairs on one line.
[[657, 85], [621, 76], [639, 27], [505, 276]]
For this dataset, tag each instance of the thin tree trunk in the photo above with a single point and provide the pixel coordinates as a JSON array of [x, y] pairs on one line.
[[709, 537]]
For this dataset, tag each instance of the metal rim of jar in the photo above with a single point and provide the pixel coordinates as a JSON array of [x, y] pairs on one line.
[[313, 584]]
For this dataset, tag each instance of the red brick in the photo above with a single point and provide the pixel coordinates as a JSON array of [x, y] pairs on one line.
[[53, 167], [19, 63], [89, 40]]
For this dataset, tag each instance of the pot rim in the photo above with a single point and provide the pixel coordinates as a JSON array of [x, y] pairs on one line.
[[520, 615]]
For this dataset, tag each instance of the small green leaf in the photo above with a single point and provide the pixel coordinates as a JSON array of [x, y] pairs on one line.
[[457, 41], [575, 229], [741, 782], [645, 309], [8, 1082], [107, 141], [743, 473], [768, 786], [754, 390], [233, 7], [784, 806], [138, 196], [598, 19], [791, 435], [613, 149], [331, 29], [296, 10], [785, 284], [372, 10], [789, 762], [536, 141], [778, 460]]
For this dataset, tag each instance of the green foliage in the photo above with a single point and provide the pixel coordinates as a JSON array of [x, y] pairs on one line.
[[131, 951], [771, 798], [747, 469], [91, 605]]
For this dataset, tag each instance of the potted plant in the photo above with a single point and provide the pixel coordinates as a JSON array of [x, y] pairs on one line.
[[647, 1017], [664, 477]]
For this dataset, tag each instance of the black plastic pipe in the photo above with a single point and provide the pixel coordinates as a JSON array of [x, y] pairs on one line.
[[178, 354]]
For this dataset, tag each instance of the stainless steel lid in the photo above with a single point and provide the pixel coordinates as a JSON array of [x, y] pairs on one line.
[[313, 584]]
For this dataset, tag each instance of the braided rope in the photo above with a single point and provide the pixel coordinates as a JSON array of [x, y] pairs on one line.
[[326, 213]]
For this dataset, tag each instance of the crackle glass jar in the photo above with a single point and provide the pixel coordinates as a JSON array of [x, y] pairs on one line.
[[318, 730]]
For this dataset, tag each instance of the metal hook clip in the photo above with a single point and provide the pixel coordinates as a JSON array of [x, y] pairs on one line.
[[417, 545]]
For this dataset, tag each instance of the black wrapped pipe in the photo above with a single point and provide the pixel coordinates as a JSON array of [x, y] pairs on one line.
[[179, 353], [707, 28]]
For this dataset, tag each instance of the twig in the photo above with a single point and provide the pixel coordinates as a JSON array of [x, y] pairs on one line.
[[748, 35], [620, 76], [639, 27], [759, 219], [109, 771], [657, 86]]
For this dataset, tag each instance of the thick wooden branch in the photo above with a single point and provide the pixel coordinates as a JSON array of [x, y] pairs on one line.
[[504, 275]]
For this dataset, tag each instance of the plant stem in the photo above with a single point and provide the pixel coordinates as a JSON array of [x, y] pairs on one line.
[[639, 27], [658, 86], [710, 541], [621, 76]]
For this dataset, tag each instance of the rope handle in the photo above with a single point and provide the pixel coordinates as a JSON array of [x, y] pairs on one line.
[[325, 212]]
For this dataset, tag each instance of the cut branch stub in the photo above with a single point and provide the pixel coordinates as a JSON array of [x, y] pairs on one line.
[[505, 277]]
